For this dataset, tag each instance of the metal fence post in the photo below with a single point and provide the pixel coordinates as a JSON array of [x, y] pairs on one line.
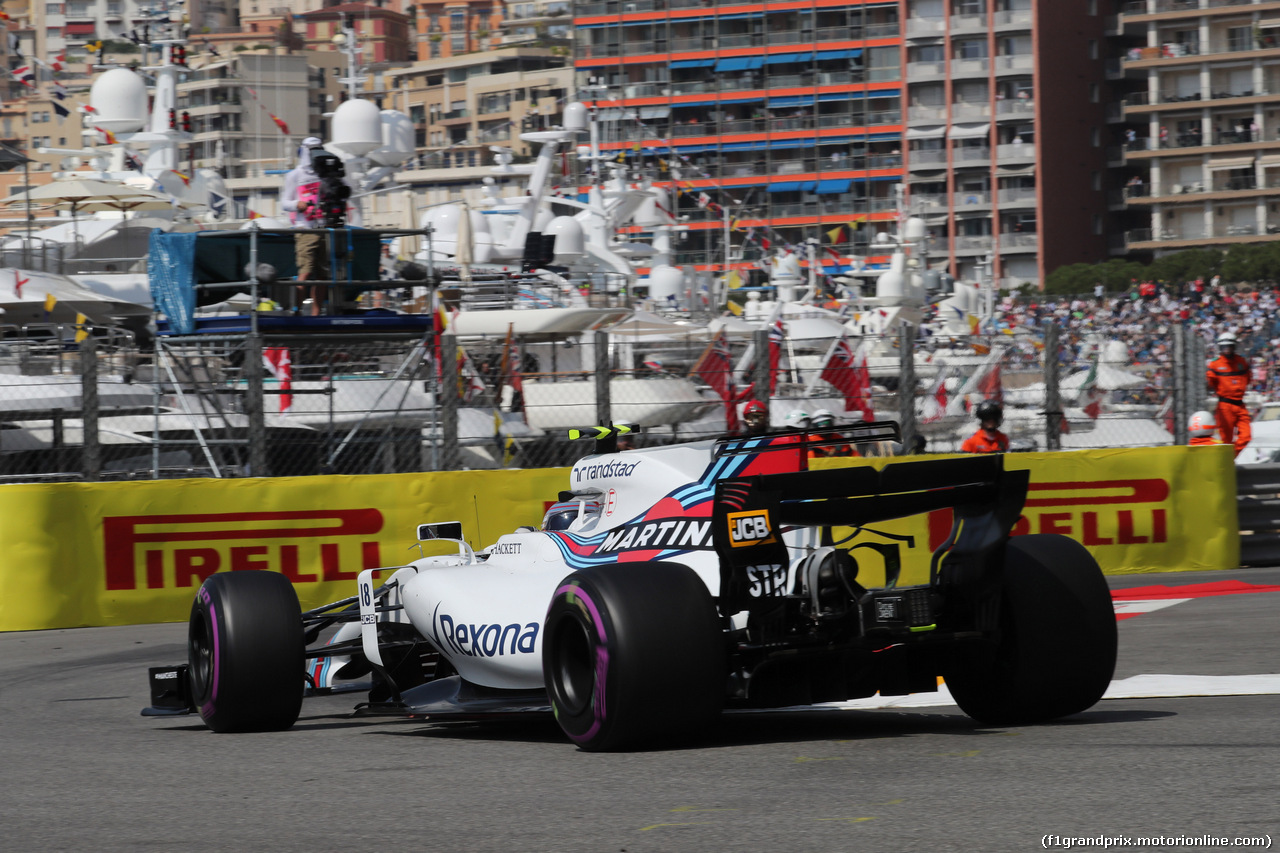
[[1197, 379], [1181, 384], [604, 405], [447, 402], [907, 382], [1052, 398], [91, 462], [760, 373], [253, 407]]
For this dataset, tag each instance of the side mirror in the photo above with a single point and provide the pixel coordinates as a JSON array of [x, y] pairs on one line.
[[442, 530]]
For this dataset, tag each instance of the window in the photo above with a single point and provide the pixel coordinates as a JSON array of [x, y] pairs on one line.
[[1097, 223], [1093, 7], [1097, 180], [1093, 48], [1093, 93], [1095, 137]]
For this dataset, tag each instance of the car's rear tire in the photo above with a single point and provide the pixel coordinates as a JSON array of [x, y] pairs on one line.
[[1057, 647], [633, 653], [246, 651]]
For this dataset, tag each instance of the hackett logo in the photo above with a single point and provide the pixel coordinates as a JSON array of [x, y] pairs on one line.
[[184, 550]]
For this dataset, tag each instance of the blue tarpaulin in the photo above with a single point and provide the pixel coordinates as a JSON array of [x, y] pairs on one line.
[[171, 272]]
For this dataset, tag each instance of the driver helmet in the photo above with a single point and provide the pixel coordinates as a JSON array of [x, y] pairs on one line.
[[562, 514], [990, 410], [822, 419], [1201, 424], [798, 418]]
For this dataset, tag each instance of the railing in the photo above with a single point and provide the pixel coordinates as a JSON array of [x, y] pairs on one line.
[[1016, 106], [926, 201], [916, 70], [916, 113], [885, 74], [925, 27], [927, 157], [739, 40], [968, 22], [974, 199], [1015, 151], [962, 111], [1014, 62], [969, 66], [970, 154], [1015, 195], [1019, 241], [969, 244], [1013, 16]]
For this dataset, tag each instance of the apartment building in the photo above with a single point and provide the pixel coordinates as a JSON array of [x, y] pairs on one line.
[[383, 34], [1006, 119], [787, 115], [449, 28], [537, 22], [230, 105], [1199, 132], [463, 105]]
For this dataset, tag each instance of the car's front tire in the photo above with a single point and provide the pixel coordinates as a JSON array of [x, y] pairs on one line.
[[246, 652], [1057, 648], [633, 653]]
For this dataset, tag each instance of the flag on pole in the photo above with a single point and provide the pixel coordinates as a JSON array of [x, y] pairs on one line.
[[848, 373], [990, 385], [111, 137], [509, 370], [715, 368], [935, 400], [980, 383], [1091, 395], [276, 361], [284, 128], [470, 386], [82, 327], [49, 301], [836, 235]]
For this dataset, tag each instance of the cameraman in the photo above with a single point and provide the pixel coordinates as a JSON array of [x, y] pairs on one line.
[[301, 197]]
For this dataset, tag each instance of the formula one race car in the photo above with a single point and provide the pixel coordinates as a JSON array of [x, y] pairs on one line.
[[674, 582]]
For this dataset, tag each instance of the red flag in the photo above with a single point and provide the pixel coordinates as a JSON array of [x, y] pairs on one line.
[[935, 403], [284, 128], [276, 360], [510, 367], [848, 373], [1091, 395], [715, 367], [990, 385]]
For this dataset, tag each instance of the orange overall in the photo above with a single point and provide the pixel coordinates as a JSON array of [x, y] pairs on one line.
[[1228, 377], [982, 442]]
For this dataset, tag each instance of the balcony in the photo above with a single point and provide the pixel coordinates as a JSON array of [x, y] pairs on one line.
[[929, 159], [1013, 18], [927, 113], [971, 200], [1014, 63], [970, 111], [925, 27], [918, 71], [739, 40], [1015, 152], [969, 67], [928, 203], [980, 155], [972, 244], [1020, 108], [1017, 197], [968, 24], [1011, 242]]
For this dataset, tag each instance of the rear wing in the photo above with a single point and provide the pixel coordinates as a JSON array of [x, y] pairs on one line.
[[750, 513], [863, 433]]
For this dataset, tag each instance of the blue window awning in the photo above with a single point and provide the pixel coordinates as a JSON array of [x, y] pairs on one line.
[[834, 186], [852, 53], [740, 63], [779, 58], [742, 146], [841, 96], [738, 16], [791, 101], [693, 63], [791, 143], [792, 186], [744, 100], [693, 104]]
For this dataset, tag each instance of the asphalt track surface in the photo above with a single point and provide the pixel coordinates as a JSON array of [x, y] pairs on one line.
[[83, 771]]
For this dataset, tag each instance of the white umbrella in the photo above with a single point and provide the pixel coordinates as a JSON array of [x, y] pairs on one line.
[[76, 194]]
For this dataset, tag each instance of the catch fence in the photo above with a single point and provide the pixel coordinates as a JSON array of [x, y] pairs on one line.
[[204, 406]]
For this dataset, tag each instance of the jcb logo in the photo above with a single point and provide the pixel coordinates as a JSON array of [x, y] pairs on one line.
[[750, 528]]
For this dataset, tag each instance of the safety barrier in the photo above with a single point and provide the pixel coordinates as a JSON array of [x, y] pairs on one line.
[[1258, 508], [90, 554]]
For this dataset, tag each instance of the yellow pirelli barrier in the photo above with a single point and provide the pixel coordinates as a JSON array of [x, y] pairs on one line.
[[80, 554], [1136, 510]]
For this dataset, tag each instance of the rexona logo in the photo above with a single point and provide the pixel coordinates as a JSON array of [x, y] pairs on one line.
[[482, 640], [750, 528], [306, 546], [658, 534], [604, 471]]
